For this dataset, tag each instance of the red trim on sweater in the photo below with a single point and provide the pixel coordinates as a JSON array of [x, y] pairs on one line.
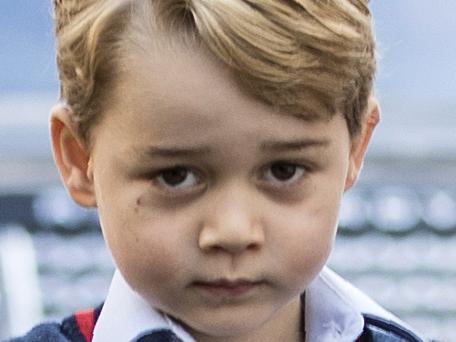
[[86, 323], [360, 339]]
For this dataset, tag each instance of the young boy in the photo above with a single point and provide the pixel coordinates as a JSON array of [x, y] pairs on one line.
[[216, 138]]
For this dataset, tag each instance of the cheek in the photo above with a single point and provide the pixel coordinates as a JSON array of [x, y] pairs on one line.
[[144, 243], [306, 238]]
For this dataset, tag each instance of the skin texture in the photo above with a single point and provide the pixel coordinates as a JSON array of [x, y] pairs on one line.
[[236, 209]]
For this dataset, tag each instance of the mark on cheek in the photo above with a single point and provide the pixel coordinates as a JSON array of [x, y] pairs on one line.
[[139, 202]]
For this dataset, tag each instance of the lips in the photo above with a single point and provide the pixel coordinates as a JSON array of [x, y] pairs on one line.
[[224, 287]]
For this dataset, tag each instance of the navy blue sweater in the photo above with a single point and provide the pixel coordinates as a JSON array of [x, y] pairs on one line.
[[79, 328]]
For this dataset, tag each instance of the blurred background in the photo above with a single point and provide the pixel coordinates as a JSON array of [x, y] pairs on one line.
[[397, 237]]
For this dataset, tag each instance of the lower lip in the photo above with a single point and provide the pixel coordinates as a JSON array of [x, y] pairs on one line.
[[225, 290]]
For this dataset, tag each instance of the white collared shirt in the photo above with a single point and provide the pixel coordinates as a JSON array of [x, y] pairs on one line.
[[333, 312]]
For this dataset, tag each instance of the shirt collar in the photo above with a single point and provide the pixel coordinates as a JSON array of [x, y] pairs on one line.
[[126, 316], [330, 313]]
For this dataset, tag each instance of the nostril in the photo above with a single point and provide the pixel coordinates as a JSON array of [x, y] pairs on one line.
[[216, 249], [230, 247], [253, 246]]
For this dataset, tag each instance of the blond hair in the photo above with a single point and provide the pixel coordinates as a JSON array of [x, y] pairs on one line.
[[309, 58]]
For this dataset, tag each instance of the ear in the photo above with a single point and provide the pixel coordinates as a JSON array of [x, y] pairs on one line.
[[359, 144], [71, 157]]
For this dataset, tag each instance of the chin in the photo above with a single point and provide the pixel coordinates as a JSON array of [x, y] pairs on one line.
[[227, 324]]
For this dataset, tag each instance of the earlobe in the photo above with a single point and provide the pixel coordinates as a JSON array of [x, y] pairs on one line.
[[360, 143], [71, 157]]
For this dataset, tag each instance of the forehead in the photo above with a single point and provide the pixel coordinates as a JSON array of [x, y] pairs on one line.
[[181, 92], [164, 54]]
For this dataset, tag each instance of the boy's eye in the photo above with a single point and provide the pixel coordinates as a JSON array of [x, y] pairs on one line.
[[176, 178], [182, 179], [284, 173]]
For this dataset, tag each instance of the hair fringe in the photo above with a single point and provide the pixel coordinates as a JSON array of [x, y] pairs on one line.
[[309, 58]]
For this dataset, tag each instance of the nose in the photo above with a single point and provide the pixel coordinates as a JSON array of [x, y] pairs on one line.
[[232, 225]]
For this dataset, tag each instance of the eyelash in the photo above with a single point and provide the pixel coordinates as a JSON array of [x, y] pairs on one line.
[[299, 169]]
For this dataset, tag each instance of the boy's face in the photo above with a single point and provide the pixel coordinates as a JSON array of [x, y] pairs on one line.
[[217, 210]]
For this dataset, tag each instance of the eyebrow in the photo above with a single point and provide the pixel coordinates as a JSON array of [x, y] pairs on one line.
[[170, 152], [266, 146], [293, 145]]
